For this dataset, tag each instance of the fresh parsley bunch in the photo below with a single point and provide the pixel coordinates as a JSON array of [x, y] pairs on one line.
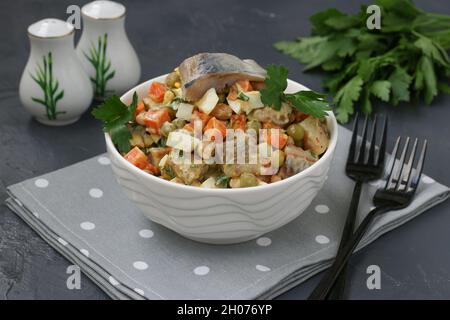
[[407, 58]]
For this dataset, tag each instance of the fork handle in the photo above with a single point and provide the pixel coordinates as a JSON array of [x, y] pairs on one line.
[[327, 282], [338, 289]]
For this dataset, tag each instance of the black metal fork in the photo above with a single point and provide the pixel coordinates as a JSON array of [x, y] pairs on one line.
[[398, 192], [362, 167]]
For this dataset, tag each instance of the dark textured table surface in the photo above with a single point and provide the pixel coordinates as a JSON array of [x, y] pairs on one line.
[[414, 259]]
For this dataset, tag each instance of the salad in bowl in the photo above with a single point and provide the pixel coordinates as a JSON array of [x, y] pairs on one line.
[[220, 150]]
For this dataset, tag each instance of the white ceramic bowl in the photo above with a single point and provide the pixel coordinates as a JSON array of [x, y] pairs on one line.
[[220, 216]]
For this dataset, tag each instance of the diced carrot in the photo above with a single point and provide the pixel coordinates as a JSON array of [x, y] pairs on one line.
[[139, 108], [198, 115], [238, 121], [154, 119], [215, 127], [137, 157], [151, 169], [282, 139], [157, 91]]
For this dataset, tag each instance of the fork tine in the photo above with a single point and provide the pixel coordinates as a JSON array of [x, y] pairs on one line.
[[362, 148], [392, 163], [371, 158], [407, 169], [351, 152], [413, 183], [383, 142], [402, 164]]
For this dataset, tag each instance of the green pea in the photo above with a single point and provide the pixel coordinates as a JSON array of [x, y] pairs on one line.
[[296, 131], [167, 128], [248, 180]]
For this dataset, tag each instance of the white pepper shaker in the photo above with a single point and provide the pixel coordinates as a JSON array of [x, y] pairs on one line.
[[105, 51], [54, 87]]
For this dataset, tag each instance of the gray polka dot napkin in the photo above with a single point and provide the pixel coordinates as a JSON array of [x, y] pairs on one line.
[[82, 212]]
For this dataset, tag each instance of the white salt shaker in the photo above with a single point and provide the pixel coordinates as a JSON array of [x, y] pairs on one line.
[[54, 87], [105, 51]]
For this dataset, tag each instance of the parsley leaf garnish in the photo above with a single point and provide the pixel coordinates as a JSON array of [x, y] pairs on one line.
[[116, 116], [273, 95]]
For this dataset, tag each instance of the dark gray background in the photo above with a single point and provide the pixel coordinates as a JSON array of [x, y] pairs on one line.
[[414, 259]]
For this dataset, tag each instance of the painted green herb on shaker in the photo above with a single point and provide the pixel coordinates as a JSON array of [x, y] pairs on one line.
[[103, 73], [45, 79]]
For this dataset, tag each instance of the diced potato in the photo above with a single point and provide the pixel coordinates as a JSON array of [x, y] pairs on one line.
[[253, 102], [187, 172], [316, 136], [136, 140], [177, 180], [168, 97], [184, 111], [209, 100], [268, 114], [235, 183], [235, 105], [163, 161], [156, 154], [298, 160], [148, 140]]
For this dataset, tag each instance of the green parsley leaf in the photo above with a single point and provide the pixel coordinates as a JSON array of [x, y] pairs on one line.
[[407, 57], [381, 89], [400, 81], [222, 181], [275, 84], [346, 97], [116, 116]]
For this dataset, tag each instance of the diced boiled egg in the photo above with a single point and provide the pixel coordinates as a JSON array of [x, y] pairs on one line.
[[209, 183], [182, 141], [253, 102], [208, 102], [184, 111], [235, 105]]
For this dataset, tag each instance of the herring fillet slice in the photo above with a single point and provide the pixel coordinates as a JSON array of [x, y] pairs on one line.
[[215, 70]]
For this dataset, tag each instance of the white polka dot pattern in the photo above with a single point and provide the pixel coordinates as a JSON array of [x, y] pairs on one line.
[[145, 233], [140, 265], [262, 268], [96, 193], [41, 183], [322, 239], [104, 161], [264, 242], [321, 208], [87, 225]]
